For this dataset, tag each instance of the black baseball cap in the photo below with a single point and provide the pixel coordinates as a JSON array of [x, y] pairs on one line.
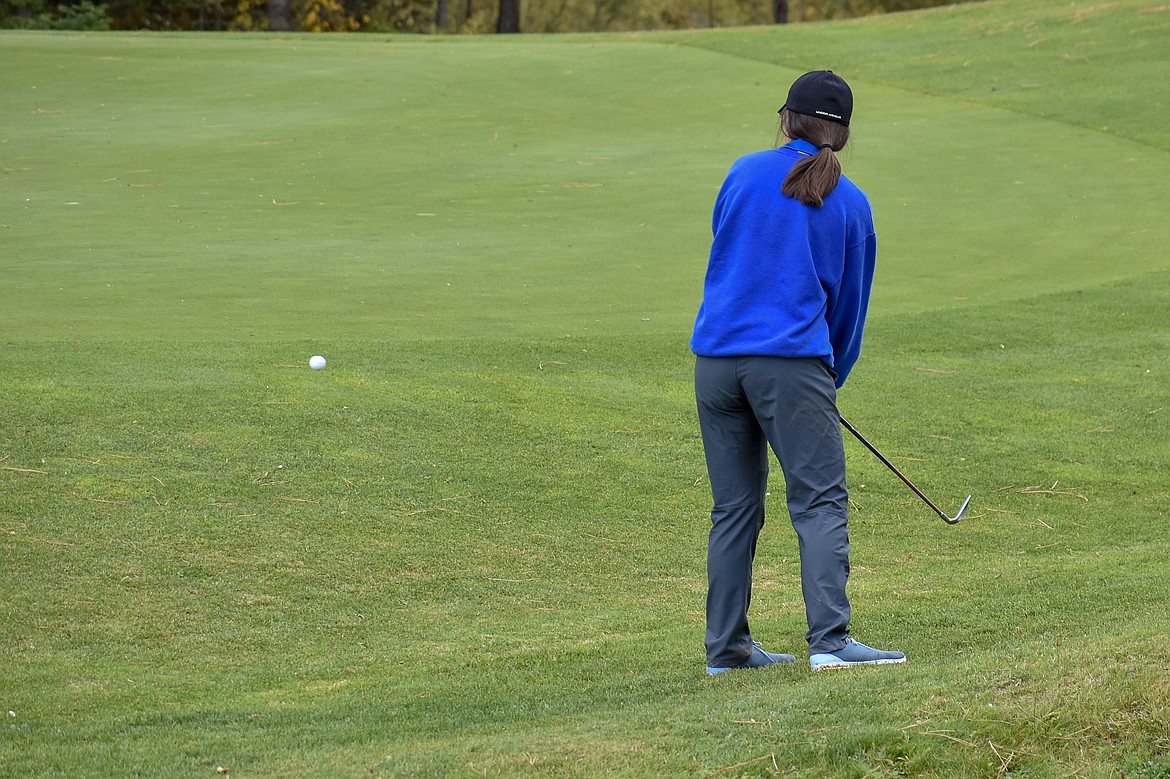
[[821, 93]]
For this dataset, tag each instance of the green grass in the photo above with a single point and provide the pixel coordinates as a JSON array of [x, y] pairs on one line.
[[475, 544]]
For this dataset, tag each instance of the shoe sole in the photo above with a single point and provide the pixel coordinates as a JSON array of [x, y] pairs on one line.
[[845, 664]]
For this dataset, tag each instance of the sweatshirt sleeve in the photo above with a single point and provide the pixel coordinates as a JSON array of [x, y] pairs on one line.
[[847, 309]]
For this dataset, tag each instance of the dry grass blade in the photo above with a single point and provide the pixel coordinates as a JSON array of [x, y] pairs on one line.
[[770, 756], [949, 737], [1039, 490], [22, 470], [101, 500], [428, 510]]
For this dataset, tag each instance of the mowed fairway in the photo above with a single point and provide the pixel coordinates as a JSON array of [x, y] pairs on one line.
[[474, 545]]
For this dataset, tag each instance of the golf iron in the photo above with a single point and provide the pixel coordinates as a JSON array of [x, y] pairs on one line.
[[945, 518]]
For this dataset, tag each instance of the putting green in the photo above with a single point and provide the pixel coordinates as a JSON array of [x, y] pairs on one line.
[[207, 187]]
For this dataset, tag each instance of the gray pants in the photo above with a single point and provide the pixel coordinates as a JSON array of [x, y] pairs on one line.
[[746, 404]]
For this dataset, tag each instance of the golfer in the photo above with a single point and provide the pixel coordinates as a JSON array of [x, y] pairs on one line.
[[779, 328]]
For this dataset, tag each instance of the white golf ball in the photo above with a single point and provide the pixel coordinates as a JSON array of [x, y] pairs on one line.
[[316, 362]]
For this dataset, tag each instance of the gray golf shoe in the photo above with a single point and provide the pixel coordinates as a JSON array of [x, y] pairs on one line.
[[854, 653], [759, 659]]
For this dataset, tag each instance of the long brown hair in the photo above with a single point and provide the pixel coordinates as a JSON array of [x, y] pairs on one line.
[[812, 179]]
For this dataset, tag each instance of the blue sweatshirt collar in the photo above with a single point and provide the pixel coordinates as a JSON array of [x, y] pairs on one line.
[[801, 146]]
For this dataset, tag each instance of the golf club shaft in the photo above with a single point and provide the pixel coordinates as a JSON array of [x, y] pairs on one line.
[[946, 518]]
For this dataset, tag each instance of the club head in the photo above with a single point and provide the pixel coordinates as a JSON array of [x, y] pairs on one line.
[[955, 519]]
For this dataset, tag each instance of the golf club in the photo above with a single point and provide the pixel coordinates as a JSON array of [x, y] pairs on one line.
[[948, 519]]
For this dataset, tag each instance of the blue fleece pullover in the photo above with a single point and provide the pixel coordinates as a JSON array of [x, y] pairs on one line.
[[785, 279]]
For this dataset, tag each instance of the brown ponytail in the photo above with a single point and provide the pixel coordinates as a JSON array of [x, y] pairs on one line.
[[812, 179]]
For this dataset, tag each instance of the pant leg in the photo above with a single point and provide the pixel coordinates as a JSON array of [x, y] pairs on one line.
[[737, 465], [795, 402]]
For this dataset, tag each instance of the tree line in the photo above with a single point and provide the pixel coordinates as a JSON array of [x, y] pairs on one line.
[[432, 16]]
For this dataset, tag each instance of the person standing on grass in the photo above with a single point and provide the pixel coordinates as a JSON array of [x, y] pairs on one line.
[[778, 331]]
